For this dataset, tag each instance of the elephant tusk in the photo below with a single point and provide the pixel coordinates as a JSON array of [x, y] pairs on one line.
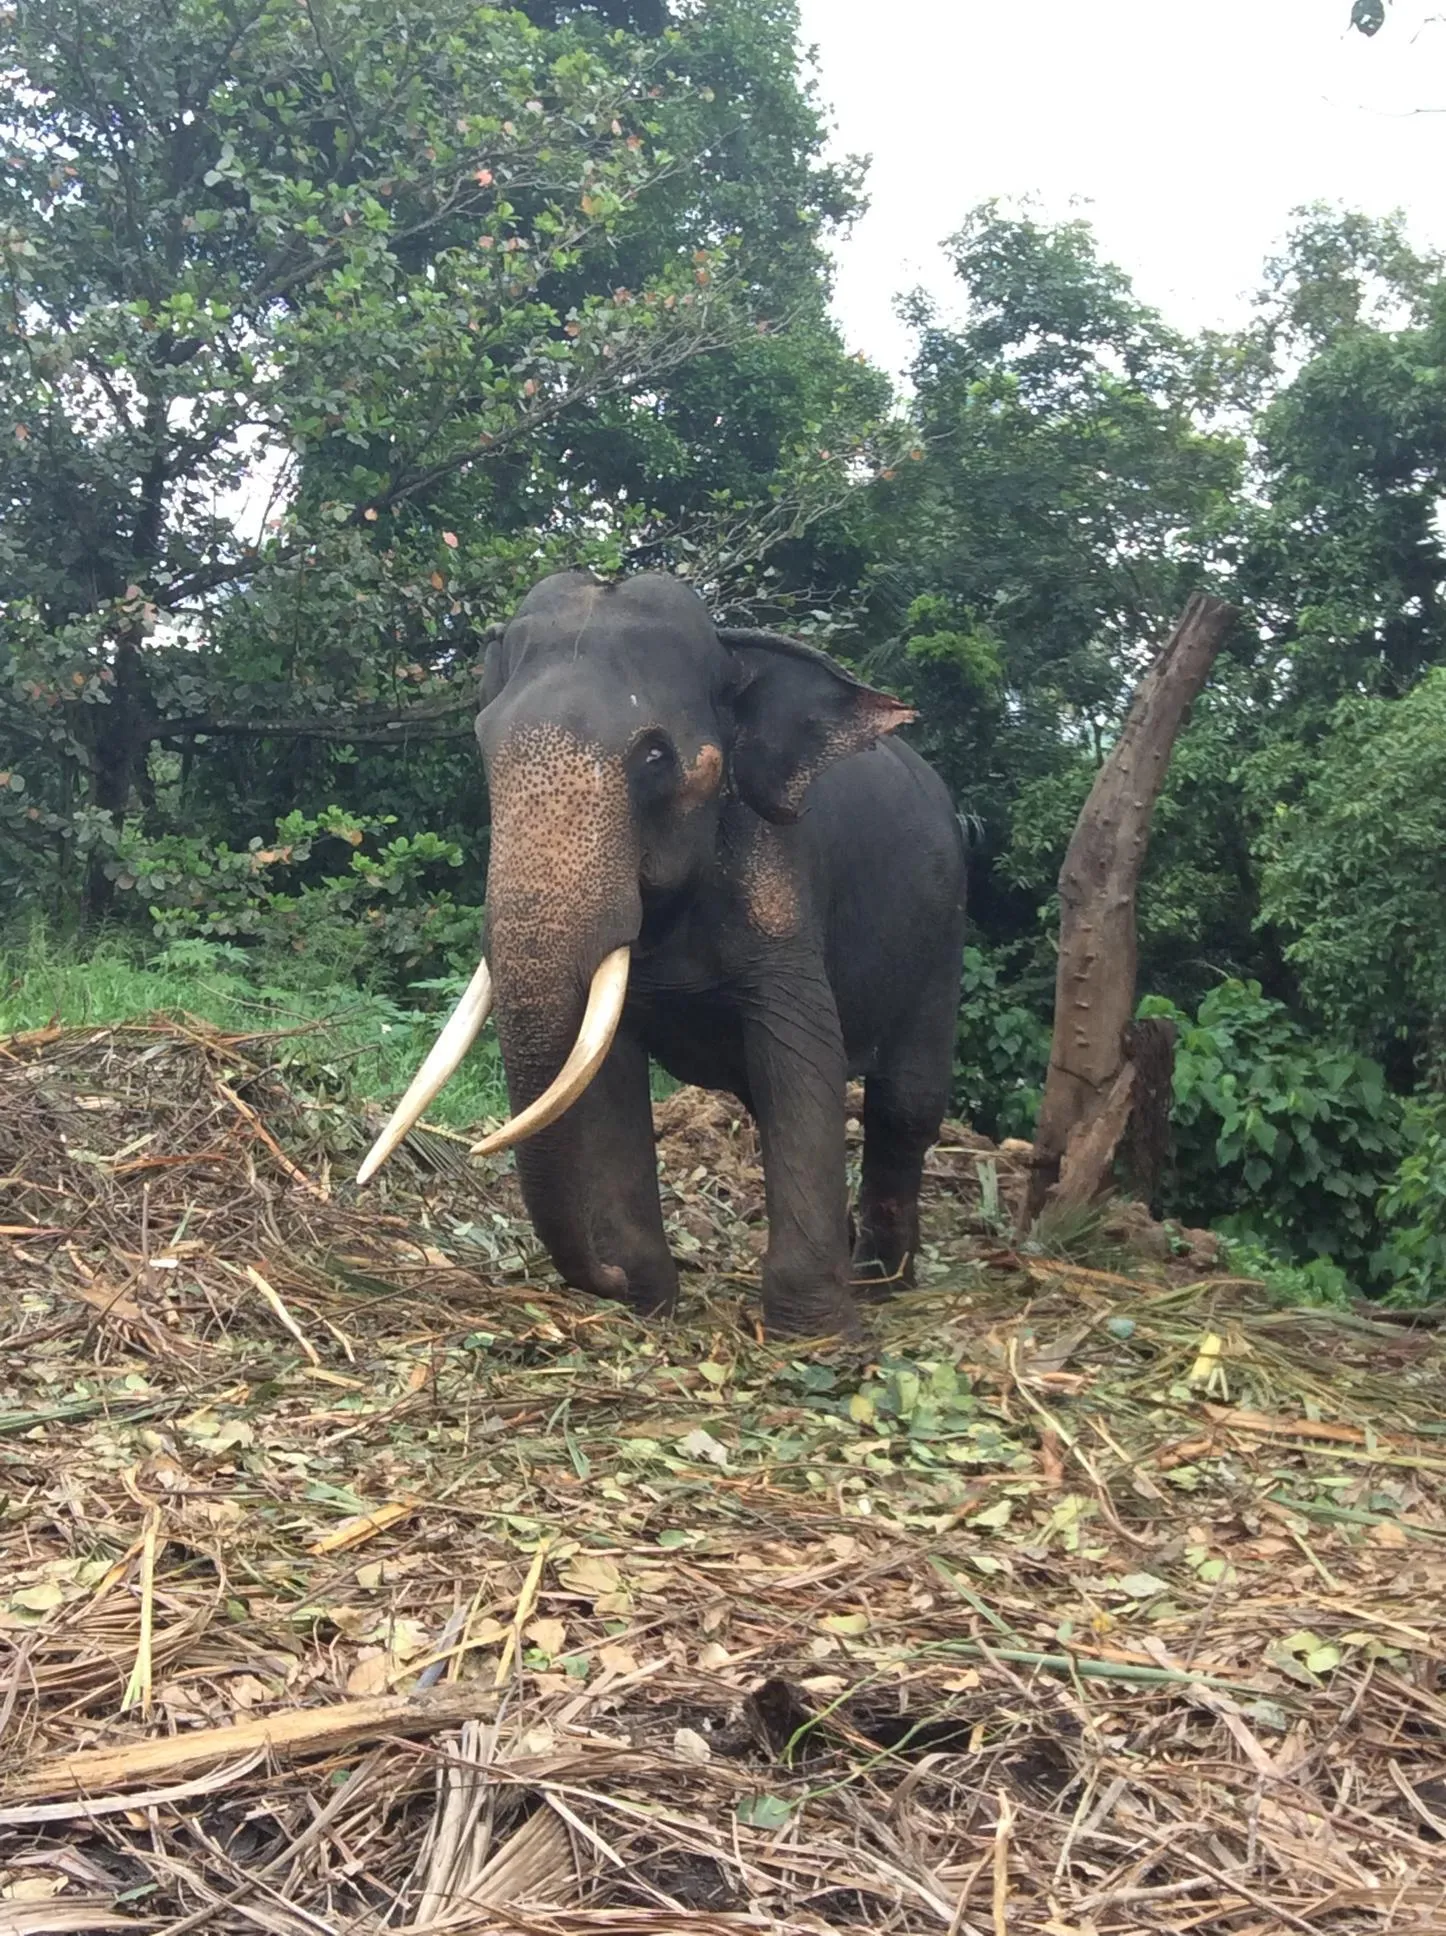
[[460, 1031], [594, 1039]]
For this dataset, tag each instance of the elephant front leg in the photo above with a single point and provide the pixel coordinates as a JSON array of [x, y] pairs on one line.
[[795, 1061], [625, 1208], [590, 1182]]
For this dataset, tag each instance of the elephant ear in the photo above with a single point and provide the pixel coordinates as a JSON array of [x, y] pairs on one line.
[[794, 713], [491, 668]]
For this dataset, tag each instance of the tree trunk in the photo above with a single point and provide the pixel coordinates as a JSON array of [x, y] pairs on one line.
[[120, 735], [1090, 1085], [124, 729]]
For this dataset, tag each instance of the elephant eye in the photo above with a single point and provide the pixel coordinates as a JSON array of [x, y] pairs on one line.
[[653, 754]]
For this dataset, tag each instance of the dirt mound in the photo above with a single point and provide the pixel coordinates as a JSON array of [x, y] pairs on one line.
[[695, 1126], [354, 1577]]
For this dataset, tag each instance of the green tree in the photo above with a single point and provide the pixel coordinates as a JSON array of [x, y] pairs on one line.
[[1335, 547], [436, 277], [1352, 846], [1368, 16], [1283, 1137], [1343, 556], [1070, 486]]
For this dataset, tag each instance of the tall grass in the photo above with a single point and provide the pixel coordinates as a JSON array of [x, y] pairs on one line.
[[340, 1040]]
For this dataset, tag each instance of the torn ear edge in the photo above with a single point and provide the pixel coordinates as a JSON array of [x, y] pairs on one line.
[[740, 638]]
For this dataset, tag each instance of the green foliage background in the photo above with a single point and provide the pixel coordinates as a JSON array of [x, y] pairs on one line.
[[328, 327]]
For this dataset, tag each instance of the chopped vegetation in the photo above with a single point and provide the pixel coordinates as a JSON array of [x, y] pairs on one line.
[[1078, 1599]]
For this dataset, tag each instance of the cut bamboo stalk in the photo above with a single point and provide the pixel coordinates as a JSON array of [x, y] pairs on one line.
[[526, 1600], [138, 1688], [283, 1316], [314, 1730], [67, 1916]]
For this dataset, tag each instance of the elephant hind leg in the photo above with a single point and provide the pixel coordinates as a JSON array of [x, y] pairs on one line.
[[794, 1047], [904, 1104], [896, 1138]]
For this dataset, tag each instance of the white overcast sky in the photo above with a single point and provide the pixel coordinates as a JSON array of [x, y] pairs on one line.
[[1185, 130]]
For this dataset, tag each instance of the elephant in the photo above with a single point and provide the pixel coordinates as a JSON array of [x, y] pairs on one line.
[[707, 850]]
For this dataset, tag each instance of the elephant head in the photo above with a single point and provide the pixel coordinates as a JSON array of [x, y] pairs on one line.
[[616, 723]]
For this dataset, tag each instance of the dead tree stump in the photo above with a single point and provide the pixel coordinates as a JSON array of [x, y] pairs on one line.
[[1091, 1087]]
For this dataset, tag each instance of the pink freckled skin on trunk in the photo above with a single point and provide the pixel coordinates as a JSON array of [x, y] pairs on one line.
[[562, 889], [563, 854]]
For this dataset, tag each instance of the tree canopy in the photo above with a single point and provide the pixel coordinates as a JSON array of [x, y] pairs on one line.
[[438, 281]]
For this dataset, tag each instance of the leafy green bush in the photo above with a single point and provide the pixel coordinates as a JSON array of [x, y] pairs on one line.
[[1280, 1141], [1352, 846], [381, 911], [1413, 1208], [1314, 1284], [1002, 1052]]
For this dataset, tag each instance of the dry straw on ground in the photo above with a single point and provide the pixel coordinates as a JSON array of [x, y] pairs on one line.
[[352, 1578]]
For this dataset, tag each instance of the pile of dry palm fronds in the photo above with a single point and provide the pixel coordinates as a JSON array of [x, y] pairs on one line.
[[355, 1578]]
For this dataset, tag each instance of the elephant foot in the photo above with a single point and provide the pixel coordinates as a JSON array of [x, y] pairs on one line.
[[652, 1300], [842, 1322], [883, 1252], [599, 1280], [803, 1307], [648, 1286]]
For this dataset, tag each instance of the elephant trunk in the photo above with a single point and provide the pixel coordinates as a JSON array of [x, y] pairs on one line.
[[542, 1030], [563, 907]]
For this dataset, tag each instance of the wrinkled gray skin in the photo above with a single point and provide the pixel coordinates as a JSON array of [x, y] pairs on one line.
[[792, 887]]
